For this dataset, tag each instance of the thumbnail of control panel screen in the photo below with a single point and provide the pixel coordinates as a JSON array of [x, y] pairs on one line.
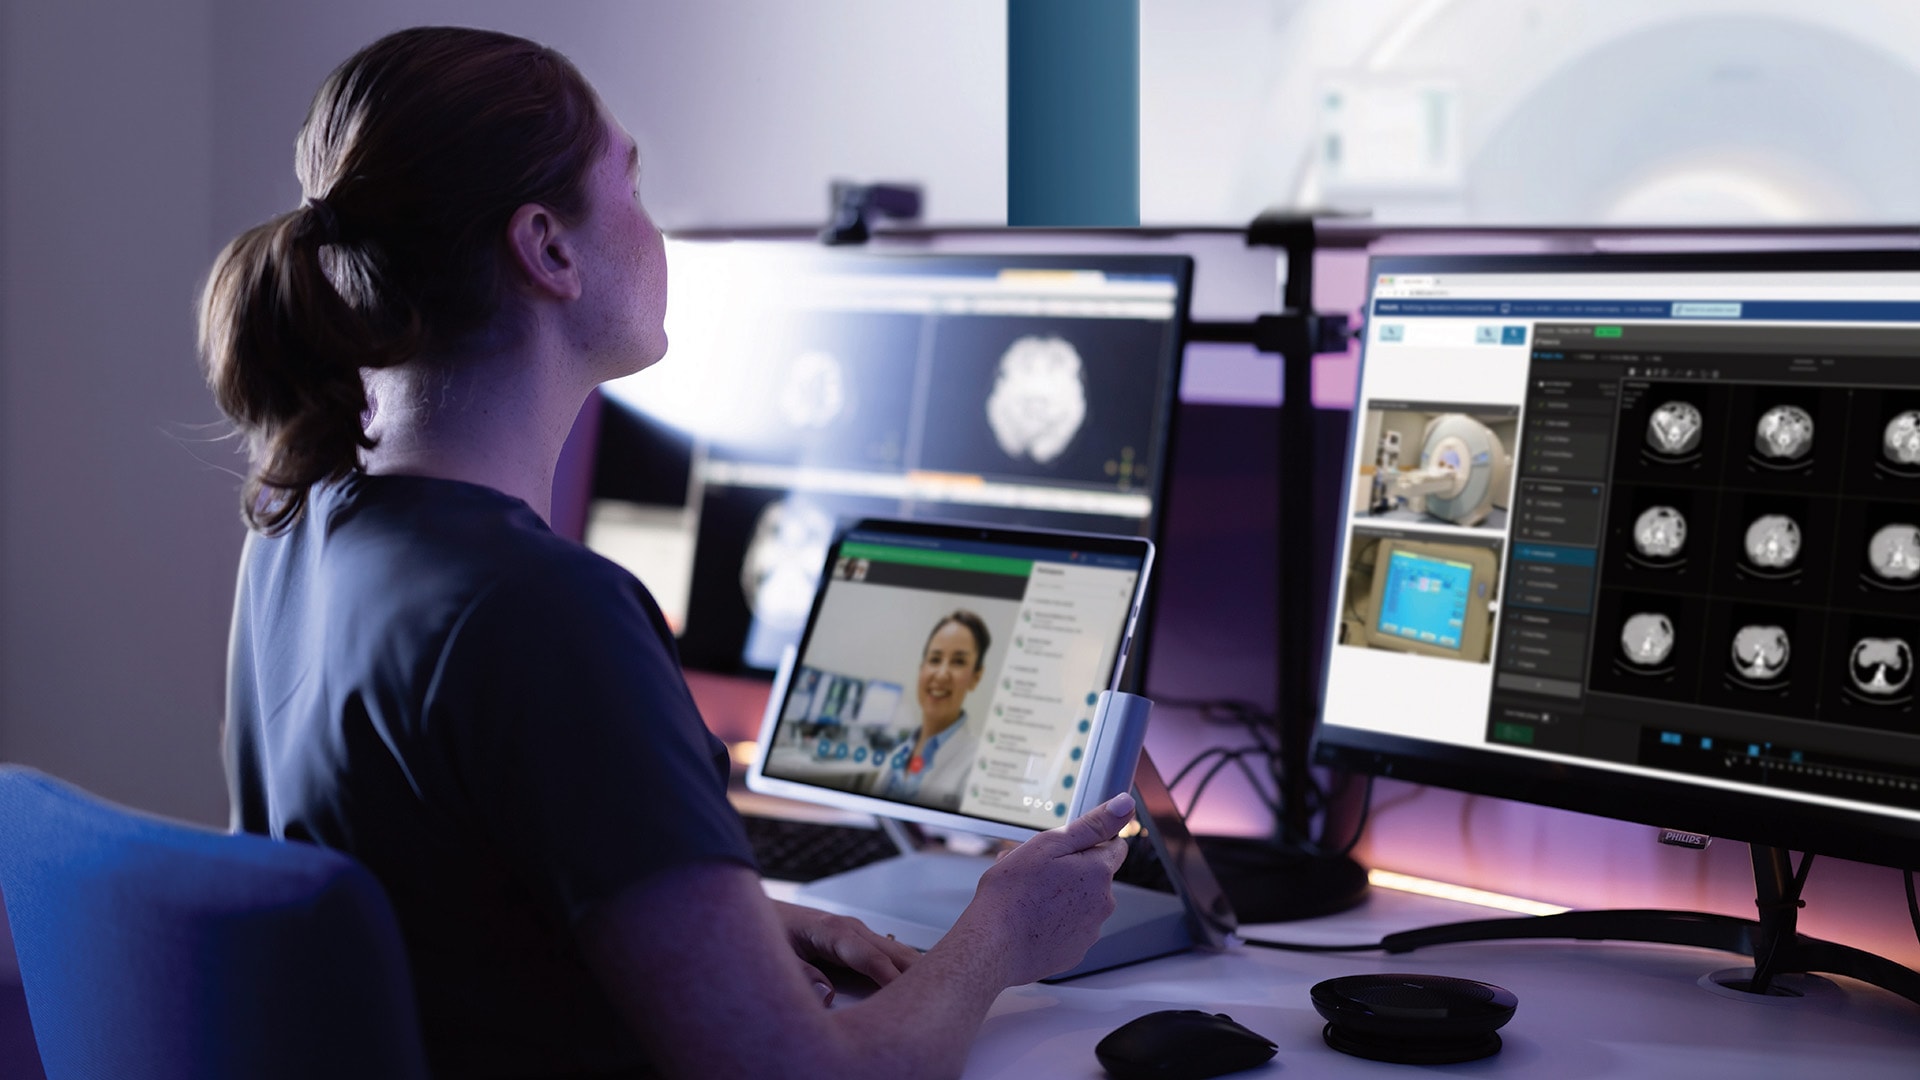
[[1430, 598], [950, 674], [1424, 599], [1640, 536], [807, 388]]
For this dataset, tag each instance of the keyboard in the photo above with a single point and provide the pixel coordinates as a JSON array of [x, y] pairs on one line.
[[805, 851]]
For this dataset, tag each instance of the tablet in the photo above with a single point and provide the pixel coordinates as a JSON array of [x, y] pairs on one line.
[[953, 675]]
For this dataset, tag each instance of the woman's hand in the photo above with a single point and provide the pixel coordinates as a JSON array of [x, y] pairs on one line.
[[1041, 906], [692, 957], [839, 941]]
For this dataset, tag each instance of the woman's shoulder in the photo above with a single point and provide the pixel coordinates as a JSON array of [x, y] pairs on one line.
[[471, 540]]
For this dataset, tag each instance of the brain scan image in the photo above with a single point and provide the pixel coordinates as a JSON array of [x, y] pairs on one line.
[[1773, 541], [1674, 429], [1784, 434], [1760, 653], [1894, 552], [783, 562], [1660, 533], [1880, 667], [815, 393], [1902, 439], [1039, 398], [1647, 639]]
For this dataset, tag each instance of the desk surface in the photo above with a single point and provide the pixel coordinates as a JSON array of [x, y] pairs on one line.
[[1587, 1009]]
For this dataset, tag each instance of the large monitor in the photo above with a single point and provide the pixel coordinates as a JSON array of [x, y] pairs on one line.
[[810, 387], [1640, 536]]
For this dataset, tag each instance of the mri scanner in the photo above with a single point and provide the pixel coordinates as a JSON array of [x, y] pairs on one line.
[[1464, 473]]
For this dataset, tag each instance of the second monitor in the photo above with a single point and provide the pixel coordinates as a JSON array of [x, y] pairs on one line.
[[808, 388]]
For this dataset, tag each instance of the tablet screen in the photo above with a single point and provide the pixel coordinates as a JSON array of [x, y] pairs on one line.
[[955, 669]]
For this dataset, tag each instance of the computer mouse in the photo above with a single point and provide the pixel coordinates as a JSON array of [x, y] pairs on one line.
[[1181, 1044]]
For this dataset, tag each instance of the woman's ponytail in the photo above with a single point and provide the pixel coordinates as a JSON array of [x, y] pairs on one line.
[[282, 352]]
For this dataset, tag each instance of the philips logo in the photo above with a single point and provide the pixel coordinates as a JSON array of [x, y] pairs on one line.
[[1677, 838]]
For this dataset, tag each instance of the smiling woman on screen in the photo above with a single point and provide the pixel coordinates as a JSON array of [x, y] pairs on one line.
[[931, 766]]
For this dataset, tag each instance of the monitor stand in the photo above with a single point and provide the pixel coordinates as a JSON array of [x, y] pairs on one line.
[[1771, 939], [1268, 882], [918, 895]]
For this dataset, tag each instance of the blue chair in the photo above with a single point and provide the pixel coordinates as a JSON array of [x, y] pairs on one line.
[[153, 950]]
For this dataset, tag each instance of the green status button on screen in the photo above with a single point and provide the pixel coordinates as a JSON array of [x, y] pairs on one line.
[[1513, 733]]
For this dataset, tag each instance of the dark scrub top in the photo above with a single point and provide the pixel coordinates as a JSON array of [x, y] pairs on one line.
[[493, 720]]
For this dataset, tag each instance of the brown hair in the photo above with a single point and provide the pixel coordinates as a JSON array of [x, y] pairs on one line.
[[414, 156], [975, 625]]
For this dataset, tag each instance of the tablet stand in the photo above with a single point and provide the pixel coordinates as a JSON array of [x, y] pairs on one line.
[[918, 895]]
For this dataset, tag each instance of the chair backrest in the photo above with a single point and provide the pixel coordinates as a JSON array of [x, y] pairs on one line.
[[153, 950]]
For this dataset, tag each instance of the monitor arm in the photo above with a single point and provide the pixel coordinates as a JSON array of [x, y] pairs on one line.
[[1286, 880], [1296, 333]]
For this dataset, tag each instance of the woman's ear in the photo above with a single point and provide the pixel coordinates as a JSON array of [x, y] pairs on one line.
[[543, 252]]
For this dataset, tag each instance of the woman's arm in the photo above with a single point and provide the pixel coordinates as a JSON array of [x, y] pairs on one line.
[[698, 961]]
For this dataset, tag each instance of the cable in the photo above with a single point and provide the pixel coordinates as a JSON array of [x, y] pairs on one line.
[[1360, 825], [1272, 801], [1913, 906], [1200, 788], [1226, 754], [1261, 727], [1763, 966], [1212, 708], [1181, 773], [1295, 946], [1226, 757]]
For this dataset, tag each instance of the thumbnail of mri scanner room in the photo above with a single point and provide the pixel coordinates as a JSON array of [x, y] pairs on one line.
[[1437, 464]]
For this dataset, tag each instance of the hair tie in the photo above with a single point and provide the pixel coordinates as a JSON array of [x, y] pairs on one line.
[[325, 223]]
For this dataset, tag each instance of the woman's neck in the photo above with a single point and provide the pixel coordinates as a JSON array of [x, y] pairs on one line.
[[497, 418], [929, 732]]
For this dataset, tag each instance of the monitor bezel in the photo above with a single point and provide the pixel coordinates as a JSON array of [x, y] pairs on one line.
[[812, 258], [1861, 835], [759, 780]]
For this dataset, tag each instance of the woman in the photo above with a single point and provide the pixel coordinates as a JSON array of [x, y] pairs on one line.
[[933, 764], [490, 717]]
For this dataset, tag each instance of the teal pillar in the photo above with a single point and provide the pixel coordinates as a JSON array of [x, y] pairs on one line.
[[1073, 112]]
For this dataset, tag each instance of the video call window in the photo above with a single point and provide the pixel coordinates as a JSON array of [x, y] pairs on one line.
[[960, 678]]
